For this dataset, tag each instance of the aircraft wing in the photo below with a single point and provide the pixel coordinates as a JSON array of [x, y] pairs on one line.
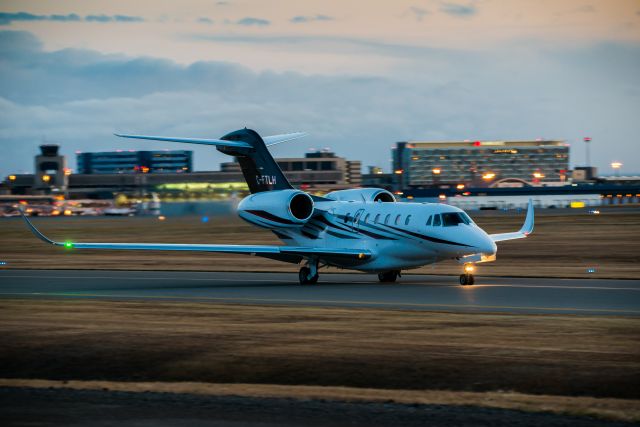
[[527, 228], [281, 253]]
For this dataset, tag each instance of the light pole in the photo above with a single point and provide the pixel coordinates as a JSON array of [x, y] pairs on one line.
[[616, 167]]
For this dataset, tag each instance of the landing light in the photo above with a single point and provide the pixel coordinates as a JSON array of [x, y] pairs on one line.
[[469, 268]]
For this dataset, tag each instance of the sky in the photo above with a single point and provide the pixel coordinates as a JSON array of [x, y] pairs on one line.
[[356, 75]]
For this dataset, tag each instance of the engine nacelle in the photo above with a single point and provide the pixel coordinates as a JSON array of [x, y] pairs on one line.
[[281, 208], [362, 195]]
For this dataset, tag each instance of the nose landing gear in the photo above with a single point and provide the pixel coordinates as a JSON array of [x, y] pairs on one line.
[[467, 278]]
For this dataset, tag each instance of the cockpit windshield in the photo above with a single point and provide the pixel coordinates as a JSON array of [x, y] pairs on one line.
[[450, 219]]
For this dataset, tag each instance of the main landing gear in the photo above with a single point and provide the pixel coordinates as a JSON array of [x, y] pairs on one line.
[[308, 275], [389, 276], [467, 278]]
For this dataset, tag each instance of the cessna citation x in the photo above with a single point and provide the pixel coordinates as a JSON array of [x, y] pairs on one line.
[[363, 229]]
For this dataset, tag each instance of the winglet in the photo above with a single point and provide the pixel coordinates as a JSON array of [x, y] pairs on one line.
[[527, 227], [37, 232], [525, 230]]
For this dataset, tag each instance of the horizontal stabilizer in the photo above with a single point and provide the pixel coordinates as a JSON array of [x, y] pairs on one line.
[[527, 228], [215, 142], [277, 139]]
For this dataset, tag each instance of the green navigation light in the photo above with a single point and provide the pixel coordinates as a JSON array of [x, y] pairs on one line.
[[68, 244]]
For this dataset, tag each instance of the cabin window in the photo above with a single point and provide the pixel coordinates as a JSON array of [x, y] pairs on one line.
[[386, 219], [377, 218], [429, 220], [398, 220], [366, 218], [406, 221], [436, 220], [451, 219]]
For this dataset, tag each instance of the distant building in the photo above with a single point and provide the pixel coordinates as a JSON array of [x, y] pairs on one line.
[[377, 178], [169, 161], [101, 175], [50, 169], [480, 163], [317, 169]]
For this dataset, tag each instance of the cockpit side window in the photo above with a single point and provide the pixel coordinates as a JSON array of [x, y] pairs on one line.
[[406, 221], [450, 219], [467, 220], [429, 220], [436, 220]]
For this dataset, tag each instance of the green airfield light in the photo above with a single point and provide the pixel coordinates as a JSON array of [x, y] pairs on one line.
[[68, 244]]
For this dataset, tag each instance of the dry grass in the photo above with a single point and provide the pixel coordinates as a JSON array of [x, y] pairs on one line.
[[339, 347], [562, 245], [611, 409]]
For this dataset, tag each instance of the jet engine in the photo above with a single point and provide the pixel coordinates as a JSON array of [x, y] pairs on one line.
[[280, 208], [362, 195]]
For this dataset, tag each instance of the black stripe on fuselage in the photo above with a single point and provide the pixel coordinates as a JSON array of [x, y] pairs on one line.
[[270, 217], [429, 238]]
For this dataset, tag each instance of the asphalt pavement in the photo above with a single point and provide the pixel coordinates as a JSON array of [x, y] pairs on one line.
[[415, 292]]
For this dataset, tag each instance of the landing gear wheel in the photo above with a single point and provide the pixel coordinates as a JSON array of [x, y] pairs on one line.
[[388, 276], [467, 279], [304, 278]]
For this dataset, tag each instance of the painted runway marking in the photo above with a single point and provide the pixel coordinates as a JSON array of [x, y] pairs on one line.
[[197, 279], [334, 302]]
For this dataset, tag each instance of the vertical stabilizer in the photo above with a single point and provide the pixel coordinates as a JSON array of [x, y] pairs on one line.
[[260, 170]]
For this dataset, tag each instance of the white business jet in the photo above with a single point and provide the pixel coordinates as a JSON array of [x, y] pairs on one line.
[[363, 229]]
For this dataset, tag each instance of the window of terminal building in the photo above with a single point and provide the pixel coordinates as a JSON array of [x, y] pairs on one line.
[[284, 166], [312, 166], [326, 166], [297, 166]]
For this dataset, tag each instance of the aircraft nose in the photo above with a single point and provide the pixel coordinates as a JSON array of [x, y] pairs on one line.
[[486, 245]]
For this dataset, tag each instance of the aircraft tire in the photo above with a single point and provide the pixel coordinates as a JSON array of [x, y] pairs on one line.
[[303, 276], [463, 279], [388, 276]]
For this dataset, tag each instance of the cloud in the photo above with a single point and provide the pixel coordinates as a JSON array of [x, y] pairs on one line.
[[418, 12], [113, 18], [303, 19], [78, 98], [248, 21], [7, 18], [205, 20], [459, 10]]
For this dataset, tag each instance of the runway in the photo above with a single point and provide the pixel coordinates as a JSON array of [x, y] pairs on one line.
[[416, 292]]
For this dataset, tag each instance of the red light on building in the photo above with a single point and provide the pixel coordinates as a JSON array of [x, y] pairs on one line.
[[587, 139], [477, 144]]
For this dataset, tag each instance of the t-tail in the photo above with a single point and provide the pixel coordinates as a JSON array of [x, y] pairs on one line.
[[260, 170]]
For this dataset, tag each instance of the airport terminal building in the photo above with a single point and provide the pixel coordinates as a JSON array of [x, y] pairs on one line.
[[480, 163]]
